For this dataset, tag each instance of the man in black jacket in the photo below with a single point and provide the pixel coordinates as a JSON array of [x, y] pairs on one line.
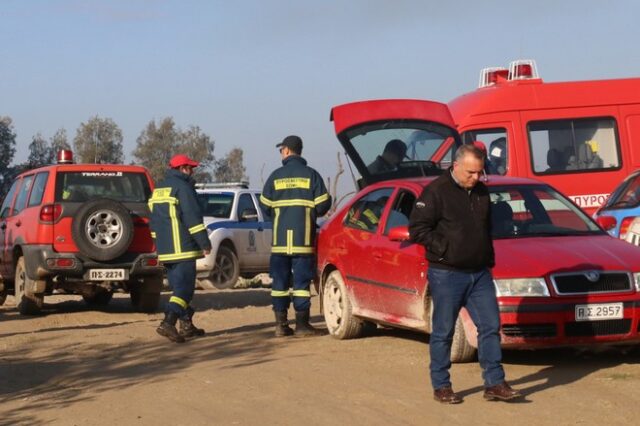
[[181, 238], [294, 196], [451, 218]]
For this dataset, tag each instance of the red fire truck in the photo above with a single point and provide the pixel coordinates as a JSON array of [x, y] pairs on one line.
[[577, 136]]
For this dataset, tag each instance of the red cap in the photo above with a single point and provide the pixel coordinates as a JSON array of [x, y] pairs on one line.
[[179, 160]]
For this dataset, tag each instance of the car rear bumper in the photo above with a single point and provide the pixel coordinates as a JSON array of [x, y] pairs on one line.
[[549, 325], [43, 262]]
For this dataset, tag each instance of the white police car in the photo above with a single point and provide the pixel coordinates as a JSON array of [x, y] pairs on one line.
[[239, 232]]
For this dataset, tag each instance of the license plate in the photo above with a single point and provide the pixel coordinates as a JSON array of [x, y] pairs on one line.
[[600, 311], [107, 275]]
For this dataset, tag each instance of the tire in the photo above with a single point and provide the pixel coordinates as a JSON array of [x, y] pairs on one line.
[[102, 229], [336, 307], [3, 297], [461, 350], [226, 270], [99, 297], [145, 295], [26, 304]]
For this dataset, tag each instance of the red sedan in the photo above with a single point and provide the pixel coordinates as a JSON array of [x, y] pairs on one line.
[[560, 279]]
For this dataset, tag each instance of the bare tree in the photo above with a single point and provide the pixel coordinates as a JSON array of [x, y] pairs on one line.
[[99, 140], [231, 168], [155, 146], [40, 152]]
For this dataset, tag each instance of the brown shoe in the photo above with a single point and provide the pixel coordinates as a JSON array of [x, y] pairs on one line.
[[502, 392], [446, 395]]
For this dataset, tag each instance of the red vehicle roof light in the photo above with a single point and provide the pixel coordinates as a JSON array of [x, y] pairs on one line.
[[523, 69], [624, 226], [492, 75], [64, 156], [49, 213]]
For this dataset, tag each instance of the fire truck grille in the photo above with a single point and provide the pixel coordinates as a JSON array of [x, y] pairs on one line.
[[583, 283], [597, 328], [529, 330]]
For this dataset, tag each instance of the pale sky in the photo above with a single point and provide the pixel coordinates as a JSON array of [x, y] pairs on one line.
[[250, 72]]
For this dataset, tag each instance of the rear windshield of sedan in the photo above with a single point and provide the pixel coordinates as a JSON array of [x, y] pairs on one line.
[[536, 211], [216, 205], [118, 186]]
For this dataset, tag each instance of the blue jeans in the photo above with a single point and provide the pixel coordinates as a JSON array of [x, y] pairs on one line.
[[281, 269], [450, 291], [182, 278]]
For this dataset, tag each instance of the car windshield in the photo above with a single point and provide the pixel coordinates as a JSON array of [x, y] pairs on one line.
[[536, 211], [626, 195], [400, 148], [119, 186], [216, 204]]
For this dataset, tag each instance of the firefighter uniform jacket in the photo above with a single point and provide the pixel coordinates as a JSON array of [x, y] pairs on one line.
[[294, 196], [176, 219]]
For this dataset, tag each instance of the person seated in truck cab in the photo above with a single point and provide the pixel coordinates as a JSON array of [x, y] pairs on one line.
[[497, 156], [588, 157], [555, 160]]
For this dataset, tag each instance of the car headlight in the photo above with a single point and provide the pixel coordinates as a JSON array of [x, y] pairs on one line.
[[636, 278], [522, 287]]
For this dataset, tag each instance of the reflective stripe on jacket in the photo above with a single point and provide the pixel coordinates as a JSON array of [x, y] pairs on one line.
[[294, 196], [176, 219]]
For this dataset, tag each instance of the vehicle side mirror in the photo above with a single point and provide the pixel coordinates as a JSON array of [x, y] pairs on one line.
[[249, 215], [399, 233], [606, 222]]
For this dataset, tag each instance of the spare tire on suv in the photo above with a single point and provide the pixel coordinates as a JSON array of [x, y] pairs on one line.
[[102, 229]]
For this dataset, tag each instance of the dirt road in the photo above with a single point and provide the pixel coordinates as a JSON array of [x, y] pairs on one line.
[[74, 366]]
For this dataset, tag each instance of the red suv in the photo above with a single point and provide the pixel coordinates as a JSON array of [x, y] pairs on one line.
[[80, 228]]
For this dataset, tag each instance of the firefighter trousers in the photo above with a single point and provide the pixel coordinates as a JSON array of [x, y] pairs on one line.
[[182, 279], [286, 270]]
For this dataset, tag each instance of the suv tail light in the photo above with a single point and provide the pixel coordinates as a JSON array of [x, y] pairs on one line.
[[49, 213], [151, 262], [624, 226]]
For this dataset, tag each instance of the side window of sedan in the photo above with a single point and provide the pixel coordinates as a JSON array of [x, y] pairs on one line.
[[400, 210], [365, 214]]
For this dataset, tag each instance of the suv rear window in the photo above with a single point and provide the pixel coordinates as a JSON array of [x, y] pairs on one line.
[[118, 186]]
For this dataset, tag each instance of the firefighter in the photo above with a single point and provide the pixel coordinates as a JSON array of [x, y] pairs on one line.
[[293, 196], [181, 238]]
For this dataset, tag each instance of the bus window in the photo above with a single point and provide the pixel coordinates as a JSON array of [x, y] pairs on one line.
[[495, 140], [559, 146]]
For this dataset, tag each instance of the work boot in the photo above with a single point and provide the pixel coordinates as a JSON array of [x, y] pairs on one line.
[[187, 329], [303, 328], [282, 324], [167, 328]]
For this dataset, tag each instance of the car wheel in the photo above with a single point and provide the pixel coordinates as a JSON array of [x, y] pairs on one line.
[[226, 270], [102, 229], [461, 349], [3, 297], [26, 304], [99, 297], [336, 307], [145, 295]]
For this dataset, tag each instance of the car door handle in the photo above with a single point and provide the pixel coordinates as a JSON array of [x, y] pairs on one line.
[[377, 255], [19, 223]]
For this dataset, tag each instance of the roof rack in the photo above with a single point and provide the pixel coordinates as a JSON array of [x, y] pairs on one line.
[[213, 185]]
